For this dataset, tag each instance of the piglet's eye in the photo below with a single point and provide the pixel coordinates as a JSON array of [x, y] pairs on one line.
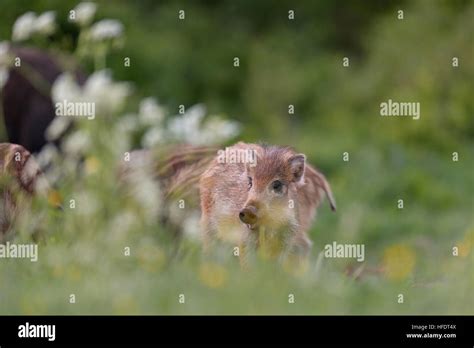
[[277, 186], [250, 183]]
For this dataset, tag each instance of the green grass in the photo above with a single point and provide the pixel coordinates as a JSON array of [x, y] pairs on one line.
[[81, 252], [407, 251]]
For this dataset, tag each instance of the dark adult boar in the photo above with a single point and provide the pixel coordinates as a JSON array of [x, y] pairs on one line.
[[26, 100]]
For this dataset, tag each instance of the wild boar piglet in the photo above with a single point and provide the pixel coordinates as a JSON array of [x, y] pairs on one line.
[[251, 190]]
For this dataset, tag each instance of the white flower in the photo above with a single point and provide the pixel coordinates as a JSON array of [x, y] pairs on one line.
[[151, 113], [191, 226], [128, 123], [5, 57], [42, 185], [45, 24], [153, 137], [106, 29], [139, 176], [146, 191], [189, 128], [24, 27], [217, 130], [121, 224], [48, 155], [109, 96], [77, 143], [28, 24], [86, 203], [118, 142], [57, 128], [186, 127], [65, 88], [84, 13]]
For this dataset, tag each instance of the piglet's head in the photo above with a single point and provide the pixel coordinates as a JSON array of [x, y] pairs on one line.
[[272, 187]]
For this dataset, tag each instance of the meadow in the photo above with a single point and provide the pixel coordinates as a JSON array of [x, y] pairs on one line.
[[106, 251]]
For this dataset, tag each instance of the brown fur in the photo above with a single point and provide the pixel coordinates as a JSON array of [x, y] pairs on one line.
[[20, 179], [284, 217], [177, 169]]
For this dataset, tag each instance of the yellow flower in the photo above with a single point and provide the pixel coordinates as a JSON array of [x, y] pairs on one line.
[[212, 275], [30, 305], [73, 273], [124, 304], [151, 258], [54, 198], [465, 246], [92, 165], [398, 261]]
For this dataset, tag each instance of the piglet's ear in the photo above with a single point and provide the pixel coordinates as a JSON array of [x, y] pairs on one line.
[[297, 165]]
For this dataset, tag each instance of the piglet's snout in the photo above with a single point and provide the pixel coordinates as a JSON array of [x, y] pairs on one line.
[[248, 215]]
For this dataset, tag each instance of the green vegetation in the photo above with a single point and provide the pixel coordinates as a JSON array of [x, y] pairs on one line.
[[408, 251]]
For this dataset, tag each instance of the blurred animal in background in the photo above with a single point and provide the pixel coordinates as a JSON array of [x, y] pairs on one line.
[[26, 97], [177, 169], [20, 179]]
